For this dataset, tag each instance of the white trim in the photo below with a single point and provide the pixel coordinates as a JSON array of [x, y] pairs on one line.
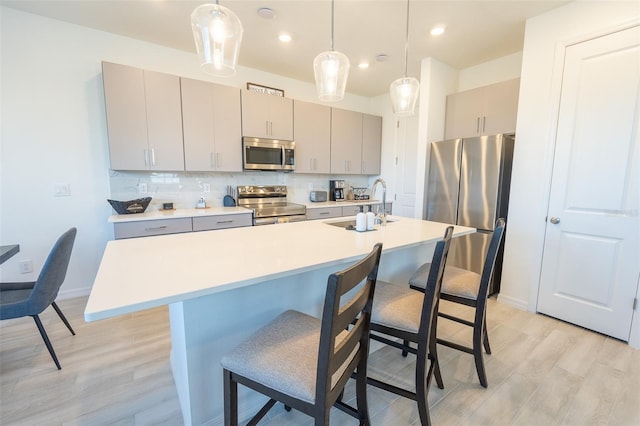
[[516, 303]]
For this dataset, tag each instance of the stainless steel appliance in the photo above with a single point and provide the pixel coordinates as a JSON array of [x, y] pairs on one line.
[[318, 196], [268, 154], [468, 185], [270, 205], [336, 190]]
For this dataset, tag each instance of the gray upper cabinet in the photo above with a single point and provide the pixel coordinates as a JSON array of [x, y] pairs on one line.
[[346, 141], [356, 142], [267, 116], [144, 119], [371, 144], [212, 127], [312, 134], [486, 110]]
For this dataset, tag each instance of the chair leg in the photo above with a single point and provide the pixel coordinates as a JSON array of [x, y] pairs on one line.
[[47, 342], [405, 353], [62, 317], [423, 378], [487, 348], [230, 400], [361, 393], [477, 354], [433, 355]]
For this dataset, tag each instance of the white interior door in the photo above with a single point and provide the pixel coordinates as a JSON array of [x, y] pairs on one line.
[[590, 266]]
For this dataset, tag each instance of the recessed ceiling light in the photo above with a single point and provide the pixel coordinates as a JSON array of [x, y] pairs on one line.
[[438, 30], [363, 65], [382, 57], [266, 13], [284, 37]]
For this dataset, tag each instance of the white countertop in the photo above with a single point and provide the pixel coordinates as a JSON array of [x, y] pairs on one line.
[[176, 214], [142, 273]]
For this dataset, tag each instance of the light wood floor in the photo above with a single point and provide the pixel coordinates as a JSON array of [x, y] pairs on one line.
[[116, 372]]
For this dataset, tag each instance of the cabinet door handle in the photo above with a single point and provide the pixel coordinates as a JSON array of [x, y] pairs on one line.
[[266, 127], [153, 156], [484, 122], [478, 125], [225, 221], [211, 162], [323, 213], [146, 159], [217, 160], [155, 228]]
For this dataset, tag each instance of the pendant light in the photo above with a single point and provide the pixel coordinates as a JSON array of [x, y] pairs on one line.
[[331, 70], [404, 91], [217, 32]]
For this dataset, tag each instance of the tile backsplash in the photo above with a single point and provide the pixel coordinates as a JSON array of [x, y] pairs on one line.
[[184, 189]]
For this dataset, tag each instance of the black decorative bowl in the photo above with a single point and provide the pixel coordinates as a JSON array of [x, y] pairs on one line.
[[132, 206]]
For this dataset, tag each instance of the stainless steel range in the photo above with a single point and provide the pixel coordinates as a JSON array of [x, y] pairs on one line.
[[270, 205]]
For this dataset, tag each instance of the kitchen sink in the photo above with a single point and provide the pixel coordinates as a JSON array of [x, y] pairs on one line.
[[350, 224]]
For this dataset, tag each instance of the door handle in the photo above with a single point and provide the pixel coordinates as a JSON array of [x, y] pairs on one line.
[[555, 220]]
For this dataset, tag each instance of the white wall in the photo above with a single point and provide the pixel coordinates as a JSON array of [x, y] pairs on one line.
[[54, 131], [537, 115]]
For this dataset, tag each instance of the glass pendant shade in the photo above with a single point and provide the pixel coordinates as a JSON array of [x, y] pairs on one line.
[[404, 94], [217, 32], [331, 70]]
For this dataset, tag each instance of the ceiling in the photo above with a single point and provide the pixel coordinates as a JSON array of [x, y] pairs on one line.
[[476, 31]]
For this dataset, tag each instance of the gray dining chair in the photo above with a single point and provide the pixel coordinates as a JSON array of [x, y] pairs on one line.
[[21, 299]]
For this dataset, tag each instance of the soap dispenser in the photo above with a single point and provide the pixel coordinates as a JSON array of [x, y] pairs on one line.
[[361, 221], [371, 219], [201, 203]]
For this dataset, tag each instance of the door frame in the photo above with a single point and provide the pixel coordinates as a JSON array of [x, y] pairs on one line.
[[555, 94]]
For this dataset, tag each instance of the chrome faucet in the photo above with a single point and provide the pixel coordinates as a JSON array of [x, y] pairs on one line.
[[382, 217]]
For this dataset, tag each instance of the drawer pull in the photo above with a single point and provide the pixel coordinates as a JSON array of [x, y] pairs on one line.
[[154, 228], [225, 221]]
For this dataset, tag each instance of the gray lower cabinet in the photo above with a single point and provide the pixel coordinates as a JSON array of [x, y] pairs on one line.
[[208, 223], [324, 213], [148, 228], [353, 210]]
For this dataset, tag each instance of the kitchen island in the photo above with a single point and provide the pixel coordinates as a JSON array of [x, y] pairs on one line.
[[223, 285]]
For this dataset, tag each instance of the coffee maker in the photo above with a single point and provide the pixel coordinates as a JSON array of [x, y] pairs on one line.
[[336, 190]]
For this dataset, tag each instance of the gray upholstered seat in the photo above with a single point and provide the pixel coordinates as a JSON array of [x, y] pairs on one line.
[[305, 362], [456, 281], [397, 307], [283, 355], [31, 298]]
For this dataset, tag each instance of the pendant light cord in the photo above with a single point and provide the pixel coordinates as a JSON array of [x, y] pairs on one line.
[[332, 6], [406, 43]]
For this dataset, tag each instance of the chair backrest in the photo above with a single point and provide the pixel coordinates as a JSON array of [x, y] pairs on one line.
[[343, 347], [53, 272], [490, 259], [432, 294]]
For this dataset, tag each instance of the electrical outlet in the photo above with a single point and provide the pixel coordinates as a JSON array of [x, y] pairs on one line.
[[206, 187], [142, 188], [26, 266], [61, 190]]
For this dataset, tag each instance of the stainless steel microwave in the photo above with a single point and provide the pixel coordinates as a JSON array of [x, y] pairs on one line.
[[268, 154]]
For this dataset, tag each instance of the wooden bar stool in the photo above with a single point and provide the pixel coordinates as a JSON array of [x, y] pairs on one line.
[[470, 289], [305, 362], [402, 313]]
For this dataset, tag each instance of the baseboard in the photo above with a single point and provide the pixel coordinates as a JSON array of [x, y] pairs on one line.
[[76, 292], [512, 301]]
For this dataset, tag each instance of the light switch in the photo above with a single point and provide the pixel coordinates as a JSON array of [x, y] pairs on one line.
[[61, 190]]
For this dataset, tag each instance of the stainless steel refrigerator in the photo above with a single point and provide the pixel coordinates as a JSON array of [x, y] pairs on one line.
[[468, 185]]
